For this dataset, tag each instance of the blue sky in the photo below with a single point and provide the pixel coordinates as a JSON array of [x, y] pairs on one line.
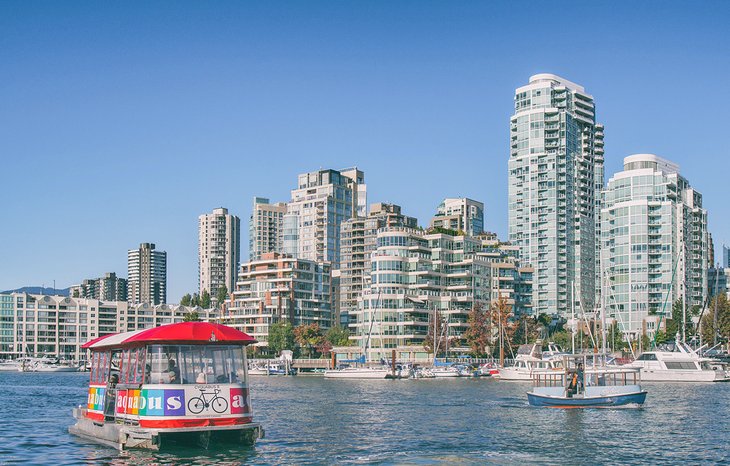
[[121, 122]]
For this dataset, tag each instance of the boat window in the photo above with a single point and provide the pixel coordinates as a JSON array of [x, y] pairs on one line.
[[647, 357], [132, 370], [674, 365], [139, 370], [102, 367], [95, 367], [125, 365], [196, 364]]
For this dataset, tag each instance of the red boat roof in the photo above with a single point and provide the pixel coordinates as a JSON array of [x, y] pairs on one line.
[[183, 333]]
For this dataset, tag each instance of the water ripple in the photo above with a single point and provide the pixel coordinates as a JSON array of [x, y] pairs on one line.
[[310, 420]]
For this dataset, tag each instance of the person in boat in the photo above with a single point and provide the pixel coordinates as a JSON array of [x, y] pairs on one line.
[[572, 381], [110, 399], [579, 375], [201, 377], [173, 371]]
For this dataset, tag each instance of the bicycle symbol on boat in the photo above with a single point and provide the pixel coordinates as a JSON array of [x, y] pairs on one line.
[[197, 404]]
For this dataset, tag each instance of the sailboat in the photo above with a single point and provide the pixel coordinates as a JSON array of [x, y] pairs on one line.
[[360, 370]]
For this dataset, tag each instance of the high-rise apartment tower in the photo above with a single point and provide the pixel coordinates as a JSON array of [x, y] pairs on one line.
[[146, 275], [555, 178], [219, 251]]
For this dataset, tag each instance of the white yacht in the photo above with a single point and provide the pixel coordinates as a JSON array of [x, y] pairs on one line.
[[530, 358], [679, 363]]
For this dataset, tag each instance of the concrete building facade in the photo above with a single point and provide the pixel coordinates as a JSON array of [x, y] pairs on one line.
[[219, 251], [147, 275], [357, 242], [322, 201], [460, 214], [279, 288], [265, 228], [106, 288], [43, 325]]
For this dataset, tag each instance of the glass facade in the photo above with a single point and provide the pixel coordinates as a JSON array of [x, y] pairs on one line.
[[555, 177], [654, 238]]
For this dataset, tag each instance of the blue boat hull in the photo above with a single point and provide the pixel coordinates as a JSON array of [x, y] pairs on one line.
[[637, 398]]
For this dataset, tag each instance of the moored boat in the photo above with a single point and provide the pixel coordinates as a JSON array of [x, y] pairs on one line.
[[530, 357], [679, 363], [180, 383]]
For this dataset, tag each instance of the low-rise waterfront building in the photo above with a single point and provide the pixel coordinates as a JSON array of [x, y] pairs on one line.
[[54, 325], [279, 288], [38, 325]]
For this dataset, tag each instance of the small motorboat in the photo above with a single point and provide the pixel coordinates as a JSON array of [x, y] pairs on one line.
[[593, 387]]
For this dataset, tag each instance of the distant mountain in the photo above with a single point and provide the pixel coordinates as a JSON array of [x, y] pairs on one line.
[[39, 290]]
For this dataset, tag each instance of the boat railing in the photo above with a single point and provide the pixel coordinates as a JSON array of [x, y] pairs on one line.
[[591, 377]]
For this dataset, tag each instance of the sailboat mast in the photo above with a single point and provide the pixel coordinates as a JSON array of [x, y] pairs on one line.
[[572, 317], [604, 334], [684, 294]]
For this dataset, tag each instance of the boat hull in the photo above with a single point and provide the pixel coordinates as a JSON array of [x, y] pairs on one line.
[[56, 369], [517, 375], [125, 437], [604, 401], [682, 376]]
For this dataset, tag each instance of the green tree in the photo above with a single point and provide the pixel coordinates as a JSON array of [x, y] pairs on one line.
[[191, 317], [205, 300], [338, 336], [525, 330], [195, 300], [281, 337], [562, 338], [478, 335], [221, 296], [716, 321], [308, 336], [76, 294], [186, 300], [674, 325], [614, 338]]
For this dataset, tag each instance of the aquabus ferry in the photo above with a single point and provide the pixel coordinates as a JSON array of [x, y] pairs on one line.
[[181, 383]]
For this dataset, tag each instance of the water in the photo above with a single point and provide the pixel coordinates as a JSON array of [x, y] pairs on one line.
[[309, 420]]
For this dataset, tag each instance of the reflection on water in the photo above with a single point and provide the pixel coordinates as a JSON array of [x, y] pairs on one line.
[[309, 420]]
